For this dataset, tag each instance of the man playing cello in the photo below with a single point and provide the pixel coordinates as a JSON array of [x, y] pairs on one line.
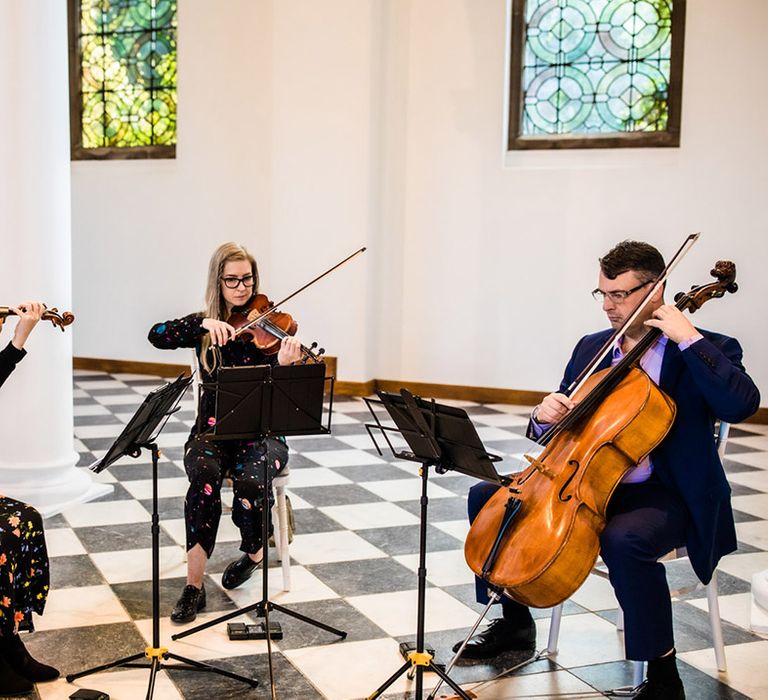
[[676, 496]]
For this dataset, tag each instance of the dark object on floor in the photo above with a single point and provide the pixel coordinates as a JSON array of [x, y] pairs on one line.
[[88, 694], [240, 630]]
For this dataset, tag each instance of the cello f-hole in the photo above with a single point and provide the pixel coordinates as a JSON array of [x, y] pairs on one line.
[[571, 463]]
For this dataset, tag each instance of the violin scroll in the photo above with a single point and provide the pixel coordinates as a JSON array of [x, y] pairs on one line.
[[60, 320], [52, 315], [725, 274]]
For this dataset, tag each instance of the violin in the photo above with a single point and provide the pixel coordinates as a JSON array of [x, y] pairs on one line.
[[260, 323], [52, 315], [539, 539]]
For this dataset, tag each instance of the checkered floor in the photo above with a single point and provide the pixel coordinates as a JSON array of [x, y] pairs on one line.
[[354, 561]]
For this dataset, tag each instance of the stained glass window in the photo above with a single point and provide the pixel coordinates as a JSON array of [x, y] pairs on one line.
[[123, 81], [592, 73]]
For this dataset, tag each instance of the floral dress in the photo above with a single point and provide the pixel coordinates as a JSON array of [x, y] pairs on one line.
[[24, 575]]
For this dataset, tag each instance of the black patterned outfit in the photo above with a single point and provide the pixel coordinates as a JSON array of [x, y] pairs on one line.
[[24, 576], [208, 462]]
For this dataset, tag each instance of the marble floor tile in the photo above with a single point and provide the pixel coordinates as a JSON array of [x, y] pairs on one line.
[[396, 612], [405, 490], [136, 564], [78, 607], [331, 547], [367, 665], [106, 513], [62, 542], [319, 476], [305, 586], [746, 667], [447, 568], [342, 458], [363, 516]]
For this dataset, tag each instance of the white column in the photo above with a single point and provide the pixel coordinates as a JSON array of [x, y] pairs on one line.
[[37, 456]]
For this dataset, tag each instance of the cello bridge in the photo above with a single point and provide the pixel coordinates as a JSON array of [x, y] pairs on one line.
[[540, 466]]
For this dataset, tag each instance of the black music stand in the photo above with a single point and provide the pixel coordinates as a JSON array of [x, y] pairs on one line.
[[257, 402], [142, 432], [444, 437]]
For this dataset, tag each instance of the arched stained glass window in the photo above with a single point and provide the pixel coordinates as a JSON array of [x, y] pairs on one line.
[[597, 73], [123, 78]]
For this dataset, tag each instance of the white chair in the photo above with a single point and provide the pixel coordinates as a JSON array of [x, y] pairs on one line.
[[713, 603], [280, 524]]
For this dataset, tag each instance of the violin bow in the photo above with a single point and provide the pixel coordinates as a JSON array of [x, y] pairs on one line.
[[274, 307]]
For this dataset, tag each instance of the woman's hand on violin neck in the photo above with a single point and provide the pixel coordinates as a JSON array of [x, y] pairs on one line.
[[672, 323], [553, 408], [29, 313], [290, 350], [221, 332]]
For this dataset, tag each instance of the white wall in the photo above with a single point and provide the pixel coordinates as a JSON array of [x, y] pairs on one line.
[[380, 122]]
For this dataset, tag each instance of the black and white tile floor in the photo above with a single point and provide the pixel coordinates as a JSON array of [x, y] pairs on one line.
[[354, 561]]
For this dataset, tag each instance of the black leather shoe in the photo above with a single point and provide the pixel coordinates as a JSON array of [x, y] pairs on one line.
[[658, 690], [498, 637], [238, 572], [22, 662], [191, 602]]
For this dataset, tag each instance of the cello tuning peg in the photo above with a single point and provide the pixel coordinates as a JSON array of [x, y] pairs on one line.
[[320, 351], [313, 346]]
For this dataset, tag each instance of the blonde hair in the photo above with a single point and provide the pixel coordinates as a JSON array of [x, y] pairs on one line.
[[215, 306]]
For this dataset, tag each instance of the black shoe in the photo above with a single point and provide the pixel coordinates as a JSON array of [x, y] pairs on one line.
[[11, 683], [238, 572], [498, 637], [22, 662], [191, 602], [658, 690]]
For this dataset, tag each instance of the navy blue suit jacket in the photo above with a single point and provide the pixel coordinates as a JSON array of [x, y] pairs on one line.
[[707, 381]]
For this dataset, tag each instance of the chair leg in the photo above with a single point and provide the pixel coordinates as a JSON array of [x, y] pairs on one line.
[[554, 629], [281, 540], [620, 619], [716, 623], [638, 673]]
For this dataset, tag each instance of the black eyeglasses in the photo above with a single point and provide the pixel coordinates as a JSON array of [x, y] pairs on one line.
[[234, 282], [619, 295]]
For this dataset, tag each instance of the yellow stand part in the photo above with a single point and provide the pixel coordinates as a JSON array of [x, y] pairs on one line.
[[420, 659], [156, 653]]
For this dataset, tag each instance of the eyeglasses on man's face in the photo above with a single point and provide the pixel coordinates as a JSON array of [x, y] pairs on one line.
[[235, 282], [619, 295]]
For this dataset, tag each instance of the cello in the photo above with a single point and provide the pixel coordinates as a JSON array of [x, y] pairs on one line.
[[538, 539]]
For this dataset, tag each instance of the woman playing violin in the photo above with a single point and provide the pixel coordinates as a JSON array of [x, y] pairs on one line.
[[24, 577], [233, 279], [676, 496]]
